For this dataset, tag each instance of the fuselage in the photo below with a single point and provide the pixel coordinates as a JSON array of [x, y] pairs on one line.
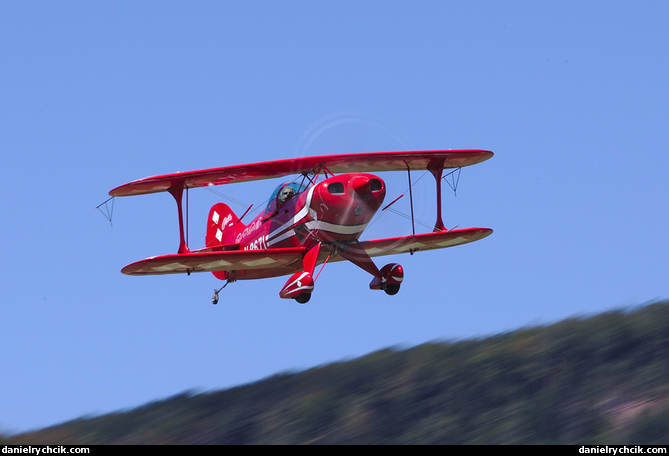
[[335, 210]]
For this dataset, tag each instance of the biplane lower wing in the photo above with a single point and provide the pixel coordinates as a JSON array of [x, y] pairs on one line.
[[249, 260], [229, 260], [424, 241]]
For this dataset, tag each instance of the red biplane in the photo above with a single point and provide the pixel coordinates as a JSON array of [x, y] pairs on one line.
[[305, 223]]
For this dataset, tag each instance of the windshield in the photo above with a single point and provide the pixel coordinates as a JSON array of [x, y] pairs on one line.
[[285, 192]]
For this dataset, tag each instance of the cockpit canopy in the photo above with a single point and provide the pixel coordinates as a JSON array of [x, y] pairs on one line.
[[283, 193]]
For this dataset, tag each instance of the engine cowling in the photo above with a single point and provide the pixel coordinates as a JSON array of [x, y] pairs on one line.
[[341, 206]]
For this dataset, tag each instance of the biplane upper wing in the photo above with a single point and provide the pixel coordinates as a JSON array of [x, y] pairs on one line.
[[342, 163], [420, 242], [203, 261]]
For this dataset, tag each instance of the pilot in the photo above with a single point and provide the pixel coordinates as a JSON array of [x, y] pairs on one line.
[[286, 193]]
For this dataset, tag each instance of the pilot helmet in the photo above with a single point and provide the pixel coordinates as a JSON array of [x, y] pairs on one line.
[[286, 193]]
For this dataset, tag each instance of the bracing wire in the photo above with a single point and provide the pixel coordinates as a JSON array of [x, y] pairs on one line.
[[237, 202], [453, 183], [408, 217], [455, 180], [108, 211], [400, 213]]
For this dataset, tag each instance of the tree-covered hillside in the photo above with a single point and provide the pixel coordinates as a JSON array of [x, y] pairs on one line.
[[601, 379]]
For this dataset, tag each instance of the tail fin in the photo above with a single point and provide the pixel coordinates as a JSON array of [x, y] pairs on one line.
[[223, 226]]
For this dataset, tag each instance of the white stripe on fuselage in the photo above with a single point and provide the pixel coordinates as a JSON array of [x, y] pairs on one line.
[[334, 228]]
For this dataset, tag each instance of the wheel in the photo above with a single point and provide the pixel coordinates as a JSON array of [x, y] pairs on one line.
[[392, 289], [303, 298]]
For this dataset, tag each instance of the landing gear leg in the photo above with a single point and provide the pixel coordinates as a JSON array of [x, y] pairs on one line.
[[389, 278]]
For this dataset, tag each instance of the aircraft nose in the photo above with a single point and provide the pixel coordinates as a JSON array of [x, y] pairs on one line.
[[361, 185]]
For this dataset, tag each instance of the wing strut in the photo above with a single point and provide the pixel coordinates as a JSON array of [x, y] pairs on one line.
[[413, 226], [437, 169], [177, 192]]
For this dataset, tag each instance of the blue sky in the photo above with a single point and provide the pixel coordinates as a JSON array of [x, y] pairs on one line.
[[571, 96]]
